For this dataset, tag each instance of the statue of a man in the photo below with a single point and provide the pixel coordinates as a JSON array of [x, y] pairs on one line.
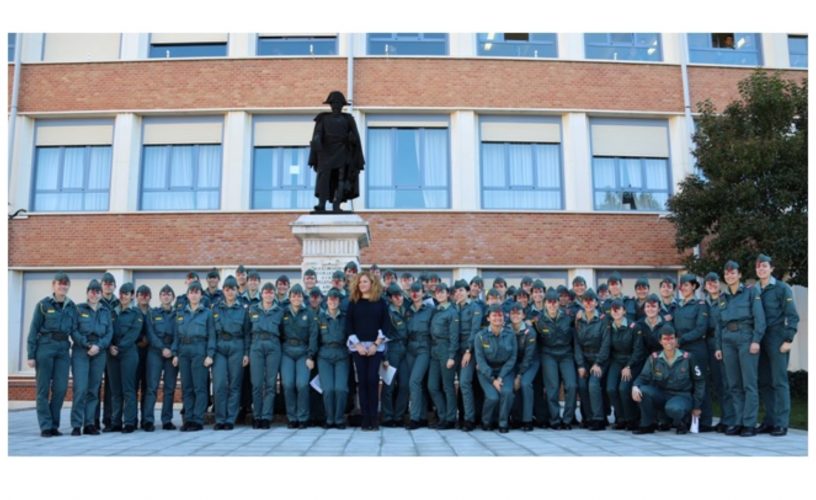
[[336, 155]]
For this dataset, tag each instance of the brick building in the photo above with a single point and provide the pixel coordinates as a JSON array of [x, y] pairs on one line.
[[148, 155]]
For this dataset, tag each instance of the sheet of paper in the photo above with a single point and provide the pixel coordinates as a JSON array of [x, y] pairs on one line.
[[387, 374], [315, 383]]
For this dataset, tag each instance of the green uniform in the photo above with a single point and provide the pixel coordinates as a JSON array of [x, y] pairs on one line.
[[194, 341], [95, 327], [444, 346], [107, 406], [393, 409], [691, 323], [783, 321], [333, 364], [674, 388], [591, 347], [299, 342], [418, 355], [649, 333], [231, 345], [264, 358], [528, 364], [629, 305], [129, 327], [52, 325], [741, 322], [495, 359], [555, 340], [470, 322], [626, 351], [160, 368]]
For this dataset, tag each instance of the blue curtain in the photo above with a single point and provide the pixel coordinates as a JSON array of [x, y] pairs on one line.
[[434, 167], [379, 168], [84, 181]]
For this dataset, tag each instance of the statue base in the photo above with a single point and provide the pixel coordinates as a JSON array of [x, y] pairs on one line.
[[330, 240]]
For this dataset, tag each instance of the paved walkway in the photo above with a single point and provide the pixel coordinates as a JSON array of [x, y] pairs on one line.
[[24, 440]]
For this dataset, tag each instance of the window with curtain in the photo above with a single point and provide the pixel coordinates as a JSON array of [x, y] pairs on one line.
[[647, 179], [521, 176], [408, 168], [798, 51], [408, 44], [623, 46], [193, 49], [741, 49], [297, 45], [282, 179], [72, 178], [181, 177], [517, 44]]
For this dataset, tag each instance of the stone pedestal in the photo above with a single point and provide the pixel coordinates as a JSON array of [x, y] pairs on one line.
[[329, 242]]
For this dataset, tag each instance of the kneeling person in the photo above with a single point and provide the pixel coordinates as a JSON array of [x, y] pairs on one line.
[[671, 381]]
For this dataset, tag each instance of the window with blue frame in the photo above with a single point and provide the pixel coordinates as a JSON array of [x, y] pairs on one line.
[[630, 164], [181, 177], [623, 46], [12, 40], [521, 176], [408, 168], [517, 44], [742, 49], [798, 51], [408, 44], [72, 178], [282, 179], [297, 45], [172, 45]]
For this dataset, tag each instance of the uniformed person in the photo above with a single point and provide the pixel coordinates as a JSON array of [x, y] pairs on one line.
[[389, 277], [309, 282], [418, 318], [565, 296], [523, 298], [317, 300], [444, 347], [579, 287], [182, 300], [395, 396], [603, 293], [350, 270], [642, 287], [470, 322], [691, 323], [668, 304], [143, 296], [129, 327], [160, 361], [231, 319], [495, 350], [527, 284], [90, 340], [339, 282], [672, 382], [406, 280], [592, 359], [627, 355], [250, 296], [739, 336], [54, 321], [526, 368], [650, 323], [716, 384], [282, 291], [500, 285], [241, 278], [264, 355], [333, 360], [110, 301], [615, 284], [555, 339], [541, 409], [193, 351], [298, 328], [782, 322], [476, 289], [212, 292]]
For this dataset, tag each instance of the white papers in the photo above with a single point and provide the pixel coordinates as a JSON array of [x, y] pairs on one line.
[[315, 383], [695, 425], [387, 374]]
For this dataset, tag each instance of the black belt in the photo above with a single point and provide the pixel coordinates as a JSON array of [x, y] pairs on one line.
[[93, 338], [733, 326], [228, 336], [190, 340], [263, 336], [294, 342], [57, 335]]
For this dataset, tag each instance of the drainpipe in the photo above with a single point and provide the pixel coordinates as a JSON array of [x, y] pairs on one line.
[[350, 72], [15, 95], [684, 59]]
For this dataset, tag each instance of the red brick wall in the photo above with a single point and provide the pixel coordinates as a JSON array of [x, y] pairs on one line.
[[720, 84], [400, 238], [23, 388]]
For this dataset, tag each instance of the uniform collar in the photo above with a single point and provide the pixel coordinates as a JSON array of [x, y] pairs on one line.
[[771, 282], [624, 323], [678, 354], [442, 307], [728, 289], [190, 309]]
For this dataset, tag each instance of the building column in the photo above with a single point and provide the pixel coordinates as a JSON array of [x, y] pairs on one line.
[[464, 273], [570, 45], [22, 166], [125, 164], [775, 50], [236, 173], [134, 46], [241, 45], [465, 192], [679, 145], [32, 47], [577, 163], [16, 330]]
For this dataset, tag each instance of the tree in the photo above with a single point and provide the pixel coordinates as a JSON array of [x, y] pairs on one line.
[[752, 195]]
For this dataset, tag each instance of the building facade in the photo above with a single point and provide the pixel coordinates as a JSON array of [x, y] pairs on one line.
[[147, 155]]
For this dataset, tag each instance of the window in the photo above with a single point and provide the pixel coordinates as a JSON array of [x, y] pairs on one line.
[[521, 163], [81, 47], [12, 41], [167, 45], [72, 165], [798, 51], [725, 48], [623, 46], [517, 44], [291, 45], [407, 164], [181, 164], [281, 177], [551, 277], [655, 276], [630, 166], [408, 44]]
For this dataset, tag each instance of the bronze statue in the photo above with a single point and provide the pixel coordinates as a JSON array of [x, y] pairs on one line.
[[336, 155]]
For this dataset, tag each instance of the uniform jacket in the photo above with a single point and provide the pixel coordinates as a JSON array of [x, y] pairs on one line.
[[495, 354], [682, 376], [94, 327], [50, 317]]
